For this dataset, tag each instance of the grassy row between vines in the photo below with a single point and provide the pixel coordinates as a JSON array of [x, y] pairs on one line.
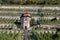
[[43, 21], [4, 20], [46, 36], [19, 14], [11, 36]]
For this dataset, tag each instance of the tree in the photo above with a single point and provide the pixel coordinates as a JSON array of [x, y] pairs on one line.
[[0, 1]]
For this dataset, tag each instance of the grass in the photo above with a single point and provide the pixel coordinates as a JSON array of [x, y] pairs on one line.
[[52, 15], [43, 21], [10, 14], [46, 36], [51, 22], [11, 36], [46, 21], [19, 14], [3, 20]]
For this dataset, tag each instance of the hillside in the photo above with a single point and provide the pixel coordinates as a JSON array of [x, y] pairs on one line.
[[30, 2]]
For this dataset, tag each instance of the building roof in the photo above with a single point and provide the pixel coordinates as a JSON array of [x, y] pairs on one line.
[[25, 15]]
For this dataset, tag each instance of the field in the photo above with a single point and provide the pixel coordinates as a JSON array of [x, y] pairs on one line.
[[10, 24]]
